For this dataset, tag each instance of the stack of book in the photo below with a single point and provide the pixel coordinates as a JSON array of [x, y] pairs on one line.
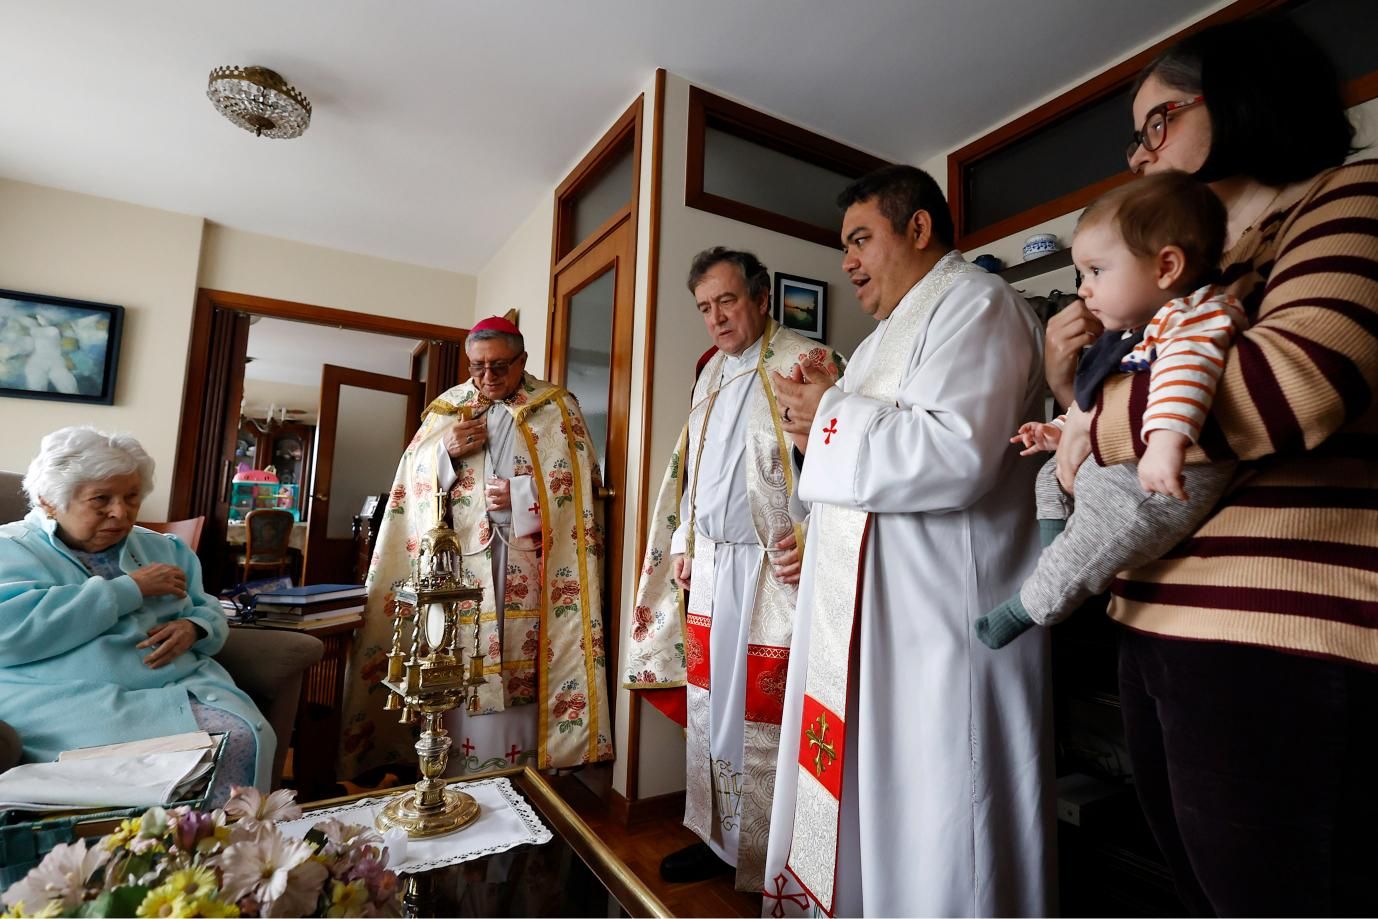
[[310, 607]]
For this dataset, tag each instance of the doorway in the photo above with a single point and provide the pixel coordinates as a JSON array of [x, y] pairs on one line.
[[226, 429]]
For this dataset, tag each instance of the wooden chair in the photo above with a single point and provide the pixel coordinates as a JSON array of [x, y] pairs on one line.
[[189, 530], [267, 535]]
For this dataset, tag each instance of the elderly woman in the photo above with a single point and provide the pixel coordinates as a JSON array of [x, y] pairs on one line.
[[105, 632]]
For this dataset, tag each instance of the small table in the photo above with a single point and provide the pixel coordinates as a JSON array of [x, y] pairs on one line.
[[575, 874], [316, 733]]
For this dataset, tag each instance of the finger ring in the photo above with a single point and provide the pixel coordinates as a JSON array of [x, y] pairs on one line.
[[469, 439], [787, 414]]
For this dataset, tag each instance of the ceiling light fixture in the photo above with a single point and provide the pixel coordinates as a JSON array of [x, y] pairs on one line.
[[258, 100]]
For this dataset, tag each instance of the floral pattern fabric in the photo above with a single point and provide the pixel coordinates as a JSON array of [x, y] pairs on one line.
[[551, 650]]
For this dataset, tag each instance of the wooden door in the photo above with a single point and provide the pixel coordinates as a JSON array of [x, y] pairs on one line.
[[591, 356], [366, 420]]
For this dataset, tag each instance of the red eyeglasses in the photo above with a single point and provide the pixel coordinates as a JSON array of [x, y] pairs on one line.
[[1154, 132]]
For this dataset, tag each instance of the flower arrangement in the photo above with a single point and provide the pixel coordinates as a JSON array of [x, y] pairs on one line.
[[184, 862]]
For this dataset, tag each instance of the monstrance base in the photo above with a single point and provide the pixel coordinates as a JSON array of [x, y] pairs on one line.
[[458, 811]]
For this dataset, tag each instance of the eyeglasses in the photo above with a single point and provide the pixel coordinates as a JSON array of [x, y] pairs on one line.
[[496, 368], [1154, 132]]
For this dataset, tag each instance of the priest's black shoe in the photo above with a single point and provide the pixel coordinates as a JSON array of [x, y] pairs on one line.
[[693, 863]]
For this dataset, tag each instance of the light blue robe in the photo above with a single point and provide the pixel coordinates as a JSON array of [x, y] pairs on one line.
[[70, 674]]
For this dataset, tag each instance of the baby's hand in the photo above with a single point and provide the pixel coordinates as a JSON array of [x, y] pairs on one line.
[[1037, 437], [1160, 469]]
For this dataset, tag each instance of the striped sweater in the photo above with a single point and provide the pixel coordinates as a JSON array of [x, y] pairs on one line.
[[1289, 560], [1184, 349]]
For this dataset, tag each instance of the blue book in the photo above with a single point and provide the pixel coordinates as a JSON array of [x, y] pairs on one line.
[[314, 593]]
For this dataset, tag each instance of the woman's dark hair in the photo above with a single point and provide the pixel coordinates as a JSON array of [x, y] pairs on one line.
[[901, 191], [1276, 108]]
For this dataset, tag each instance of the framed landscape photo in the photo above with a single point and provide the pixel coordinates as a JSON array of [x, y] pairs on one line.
[[801, 304], [55, 348]]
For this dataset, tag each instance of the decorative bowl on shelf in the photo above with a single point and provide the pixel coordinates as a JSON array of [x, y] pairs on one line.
[[1039, 245]]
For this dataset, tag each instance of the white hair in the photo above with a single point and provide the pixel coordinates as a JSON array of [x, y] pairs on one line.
[[69, 457]]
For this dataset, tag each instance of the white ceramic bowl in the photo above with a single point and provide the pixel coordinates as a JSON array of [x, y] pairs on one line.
[[1039, 245]]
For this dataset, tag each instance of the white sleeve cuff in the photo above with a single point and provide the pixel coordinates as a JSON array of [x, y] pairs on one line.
[[526, 507]]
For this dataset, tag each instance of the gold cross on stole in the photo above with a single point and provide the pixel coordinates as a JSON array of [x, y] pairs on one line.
[[818, 739]]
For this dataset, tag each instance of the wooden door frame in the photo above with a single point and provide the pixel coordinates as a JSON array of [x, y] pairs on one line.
[[590, 168], [615, 252], [332, 378], [198, 355]]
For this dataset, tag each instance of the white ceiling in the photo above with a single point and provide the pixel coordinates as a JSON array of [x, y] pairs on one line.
[[295, 352], [439, 125]]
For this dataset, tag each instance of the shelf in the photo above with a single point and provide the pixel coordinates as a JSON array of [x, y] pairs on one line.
[[1062, 258]]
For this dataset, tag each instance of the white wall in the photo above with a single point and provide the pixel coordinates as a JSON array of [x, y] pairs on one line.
[[152, 262], [372, 428], [70, 245], [518, 277]]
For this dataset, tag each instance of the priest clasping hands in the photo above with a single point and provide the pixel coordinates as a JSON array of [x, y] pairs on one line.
[[798, 396]]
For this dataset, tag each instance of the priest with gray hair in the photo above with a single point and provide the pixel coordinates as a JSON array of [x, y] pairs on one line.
[[728, 530]]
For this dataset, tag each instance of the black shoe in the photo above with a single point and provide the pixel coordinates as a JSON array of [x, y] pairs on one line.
[[692, 863]]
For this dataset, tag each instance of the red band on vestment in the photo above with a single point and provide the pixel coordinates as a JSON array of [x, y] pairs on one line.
[[766, 668], [696, 630], [821, 737]]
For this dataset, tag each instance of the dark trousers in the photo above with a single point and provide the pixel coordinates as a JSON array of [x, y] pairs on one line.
[[1258, 774]]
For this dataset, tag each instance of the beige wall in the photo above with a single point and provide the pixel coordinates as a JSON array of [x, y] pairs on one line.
[[152, 262], [518, 277], [248, 263], [71, 245]]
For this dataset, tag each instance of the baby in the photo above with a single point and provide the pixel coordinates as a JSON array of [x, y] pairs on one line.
[[1159, 236]]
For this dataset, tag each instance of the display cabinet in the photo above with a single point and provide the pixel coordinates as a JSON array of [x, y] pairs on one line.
[[287, 447]]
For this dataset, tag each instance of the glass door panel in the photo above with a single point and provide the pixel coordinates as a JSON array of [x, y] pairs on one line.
[[588, 371]]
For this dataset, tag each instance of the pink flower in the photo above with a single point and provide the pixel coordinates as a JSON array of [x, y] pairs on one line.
[[248, 804], [643, 623], [569, 704], [277, 872]]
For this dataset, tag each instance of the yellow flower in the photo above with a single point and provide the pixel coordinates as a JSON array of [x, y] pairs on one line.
[[50, 909], [213, 909], [127, 830], [164, 901], [193, 883], [347, 899]]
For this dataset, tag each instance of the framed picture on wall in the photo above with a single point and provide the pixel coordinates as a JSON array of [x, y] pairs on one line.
[[55, 348], [801, 304]]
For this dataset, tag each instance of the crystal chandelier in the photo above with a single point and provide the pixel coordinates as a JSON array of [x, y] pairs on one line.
[[258, 100]]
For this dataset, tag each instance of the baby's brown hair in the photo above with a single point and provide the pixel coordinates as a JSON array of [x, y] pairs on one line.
[[1166, 209]]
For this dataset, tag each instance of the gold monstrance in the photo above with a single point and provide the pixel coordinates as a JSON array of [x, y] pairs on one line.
[[426, 676]]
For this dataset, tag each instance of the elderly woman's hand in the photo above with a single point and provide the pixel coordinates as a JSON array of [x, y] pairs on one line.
[[160, 579], [167, 641]]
